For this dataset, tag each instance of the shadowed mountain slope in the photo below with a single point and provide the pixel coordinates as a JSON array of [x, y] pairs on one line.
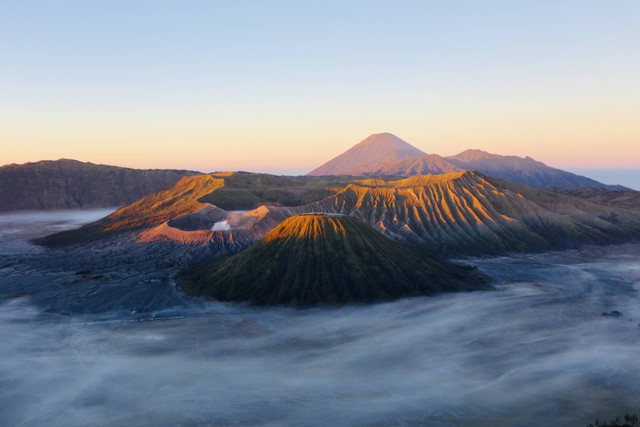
[[369, 155], [430, 164], [67, 184], [629, 199], [525, 170], [312, 259]]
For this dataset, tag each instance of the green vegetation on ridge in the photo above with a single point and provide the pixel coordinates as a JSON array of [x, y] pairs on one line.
[[245, 190], [312, 259]]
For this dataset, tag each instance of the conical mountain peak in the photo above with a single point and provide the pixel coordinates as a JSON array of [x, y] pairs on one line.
[[330, 259], [387, 141], [369, 155]]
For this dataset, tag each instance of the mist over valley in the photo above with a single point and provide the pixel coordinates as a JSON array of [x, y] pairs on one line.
[[118, 343]]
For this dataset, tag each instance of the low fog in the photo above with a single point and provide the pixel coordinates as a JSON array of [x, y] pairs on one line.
[[16, 228], [536, 351]]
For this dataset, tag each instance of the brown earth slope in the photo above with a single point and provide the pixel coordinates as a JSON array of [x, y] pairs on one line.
[[463, 212], [468, 212], [181, 199]]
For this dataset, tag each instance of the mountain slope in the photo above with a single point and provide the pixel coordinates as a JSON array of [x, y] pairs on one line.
[[431, 164], [463, 212], [629, 199], [181, 199], [65, 184], [186, 212], [469, 212], [369, 155], [525, 170], [311, 259], [387, 155]]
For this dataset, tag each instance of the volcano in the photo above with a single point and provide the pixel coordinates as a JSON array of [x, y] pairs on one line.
[[385, 154], [370, 154], [325, 259]]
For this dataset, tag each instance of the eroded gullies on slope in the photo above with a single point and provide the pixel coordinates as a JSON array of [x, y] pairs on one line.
[[458, 213], [330, 259], [462, 212]]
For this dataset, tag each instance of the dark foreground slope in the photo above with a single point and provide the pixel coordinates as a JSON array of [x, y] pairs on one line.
[[312, 259], [68, 184]]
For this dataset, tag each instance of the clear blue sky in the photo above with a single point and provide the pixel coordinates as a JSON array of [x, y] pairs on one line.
[[286, 85]]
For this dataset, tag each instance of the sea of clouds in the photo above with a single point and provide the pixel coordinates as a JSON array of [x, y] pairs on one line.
[[536, 351]]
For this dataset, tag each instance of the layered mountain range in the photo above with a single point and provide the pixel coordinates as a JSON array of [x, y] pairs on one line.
[[333, 238], [385, 154], [70, 184], [462, 212]]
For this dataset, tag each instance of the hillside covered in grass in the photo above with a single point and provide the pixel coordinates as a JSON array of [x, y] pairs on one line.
[[312, 259]]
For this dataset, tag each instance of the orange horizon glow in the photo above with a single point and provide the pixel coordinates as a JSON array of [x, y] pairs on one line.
[[304, 153], [305, 82]]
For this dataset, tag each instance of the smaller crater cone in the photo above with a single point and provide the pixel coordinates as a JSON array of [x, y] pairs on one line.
[[314, 259]]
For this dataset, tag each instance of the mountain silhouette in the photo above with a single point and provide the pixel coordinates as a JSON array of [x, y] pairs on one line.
[[368, 155], [387, 155]]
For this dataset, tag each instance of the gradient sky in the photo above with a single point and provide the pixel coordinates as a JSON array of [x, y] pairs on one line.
[[283, 86]]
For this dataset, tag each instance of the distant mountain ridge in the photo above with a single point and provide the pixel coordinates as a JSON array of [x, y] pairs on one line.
[[68, 184], [525, 170], [377, 161]]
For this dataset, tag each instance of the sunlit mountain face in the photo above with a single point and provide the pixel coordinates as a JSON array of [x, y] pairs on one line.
[[329, 259], [219, 242], [456, 213], [412, 286], [385, 154]]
